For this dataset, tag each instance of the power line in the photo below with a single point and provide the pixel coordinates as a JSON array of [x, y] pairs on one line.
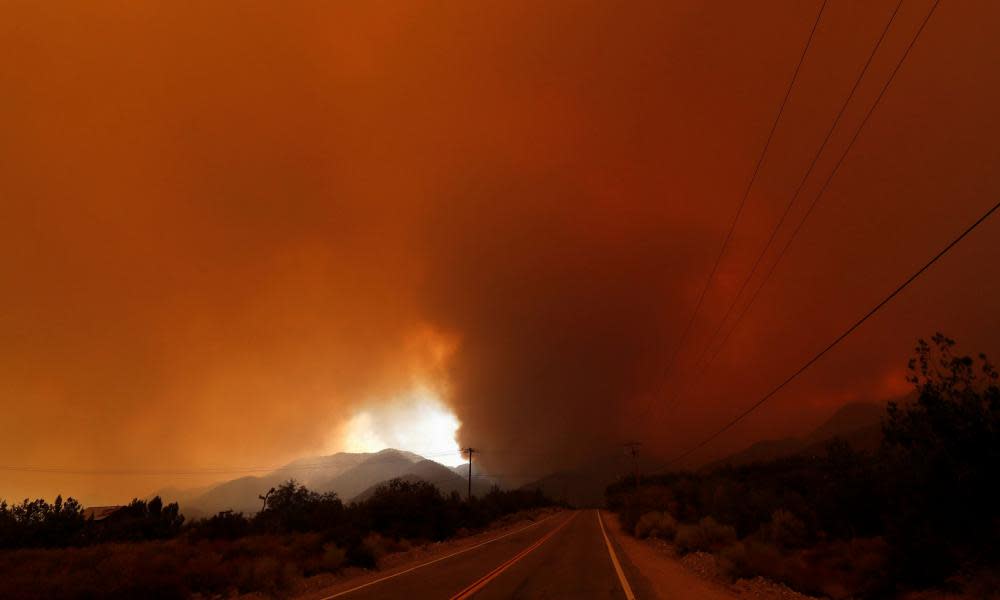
[[201, 471], [241, 470], [839, 338], [743, 199], [633, 449], [823, 188], [798, 190]]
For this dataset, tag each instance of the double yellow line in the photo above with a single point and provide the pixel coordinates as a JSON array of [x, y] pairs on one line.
[[481, 582], [436, 560]]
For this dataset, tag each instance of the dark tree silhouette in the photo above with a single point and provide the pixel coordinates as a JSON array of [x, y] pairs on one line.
[[38, 523], [942, 459], [922, 508], [293, 507]]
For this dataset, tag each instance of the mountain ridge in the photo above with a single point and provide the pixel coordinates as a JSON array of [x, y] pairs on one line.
[[858, 423], [348, 474]]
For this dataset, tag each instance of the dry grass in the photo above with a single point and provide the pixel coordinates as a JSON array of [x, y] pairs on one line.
[[707, 535], [272, 565], [656, 524], [837, 570]]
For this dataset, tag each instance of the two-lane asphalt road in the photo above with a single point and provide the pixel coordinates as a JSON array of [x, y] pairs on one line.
[[569, 555]]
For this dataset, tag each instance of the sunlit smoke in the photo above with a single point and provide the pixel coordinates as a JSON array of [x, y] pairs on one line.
[[417, 422]]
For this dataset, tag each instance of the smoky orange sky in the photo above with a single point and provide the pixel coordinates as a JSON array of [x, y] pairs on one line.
[[227, 227]]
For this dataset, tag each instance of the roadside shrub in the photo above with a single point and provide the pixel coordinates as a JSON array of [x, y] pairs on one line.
[[409, 509], [980, 583], [140, 520], [361, 555], [707, 535], [226, 525], [752, 557], [656, 524], [631, 504], [259, 574], [293, 507], [732, 561], [941, 456], [869, 517], [376, 545], [206, 569], [839, 570], [331, 559], [844, 569], [763, 558], [143, 550], [36, 523], [785, 530]]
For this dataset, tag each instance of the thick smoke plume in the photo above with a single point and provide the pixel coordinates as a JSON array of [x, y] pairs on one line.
[[228, 228]]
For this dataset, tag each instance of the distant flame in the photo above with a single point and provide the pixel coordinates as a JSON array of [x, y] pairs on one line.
[[417, 422]]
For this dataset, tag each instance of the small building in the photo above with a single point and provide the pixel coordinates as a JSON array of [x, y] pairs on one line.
[[99, 513]]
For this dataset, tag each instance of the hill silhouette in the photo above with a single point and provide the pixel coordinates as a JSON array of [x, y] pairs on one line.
[[348, 474], [448, 480], [857, 423]]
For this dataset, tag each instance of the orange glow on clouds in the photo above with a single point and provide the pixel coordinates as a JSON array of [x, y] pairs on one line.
[[233, 232], [418, 422]]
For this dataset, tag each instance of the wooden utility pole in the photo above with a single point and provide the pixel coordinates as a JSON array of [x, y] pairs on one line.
[[633, 449], [470, 450]]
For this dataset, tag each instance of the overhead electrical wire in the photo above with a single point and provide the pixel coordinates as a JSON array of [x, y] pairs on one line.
[[798, 190], [838, 339], [711, 277], [242, 470], [742, 204], [822, 189], [200, 471]]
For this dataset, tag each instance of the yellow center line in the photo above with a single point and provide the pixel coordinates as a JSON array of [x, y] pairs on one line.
[[431, 562], [481, 583], [614, 560]]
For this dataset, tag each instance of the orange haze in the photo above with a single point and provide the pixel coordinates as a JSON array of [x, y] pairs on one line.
[[227, 226]]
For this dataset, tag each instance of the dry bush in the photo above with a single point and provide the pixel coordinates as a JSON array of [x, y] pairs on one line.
[[844, 569], [732, 561], [179, 568], [837, 570], [752, 557], [982, 583], [267, 574], [784, 530], [376, 545], [301, 534], [656, 524], [707, 535], [331, 559], [631, 504]]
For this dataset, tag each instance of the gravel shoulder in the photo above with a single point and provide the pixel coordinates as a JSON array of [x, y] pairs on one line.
[[694, 576]]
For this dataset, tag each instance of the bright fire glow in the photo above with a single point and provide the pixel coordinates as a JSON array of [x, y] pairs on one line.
[[418, 422]]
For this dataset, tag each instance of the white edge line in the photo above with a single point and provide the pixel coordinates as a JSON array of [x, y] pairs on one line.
[[614, 560], [439, 559]]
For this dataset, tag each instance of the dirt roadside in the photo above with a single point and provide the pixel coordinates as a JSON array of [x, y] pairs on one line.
[[671, 578]]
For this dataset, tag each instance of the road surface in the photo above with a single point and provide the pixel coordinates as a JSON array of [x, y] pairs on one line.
[[568, 555]]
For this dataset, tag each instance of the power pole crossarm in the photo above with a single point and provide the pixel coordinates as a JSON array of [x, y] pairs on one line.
[[633, 449]]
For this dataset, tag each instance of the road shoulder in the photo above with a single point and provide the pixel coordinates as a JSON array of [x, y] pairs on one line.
[[661, 575]]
